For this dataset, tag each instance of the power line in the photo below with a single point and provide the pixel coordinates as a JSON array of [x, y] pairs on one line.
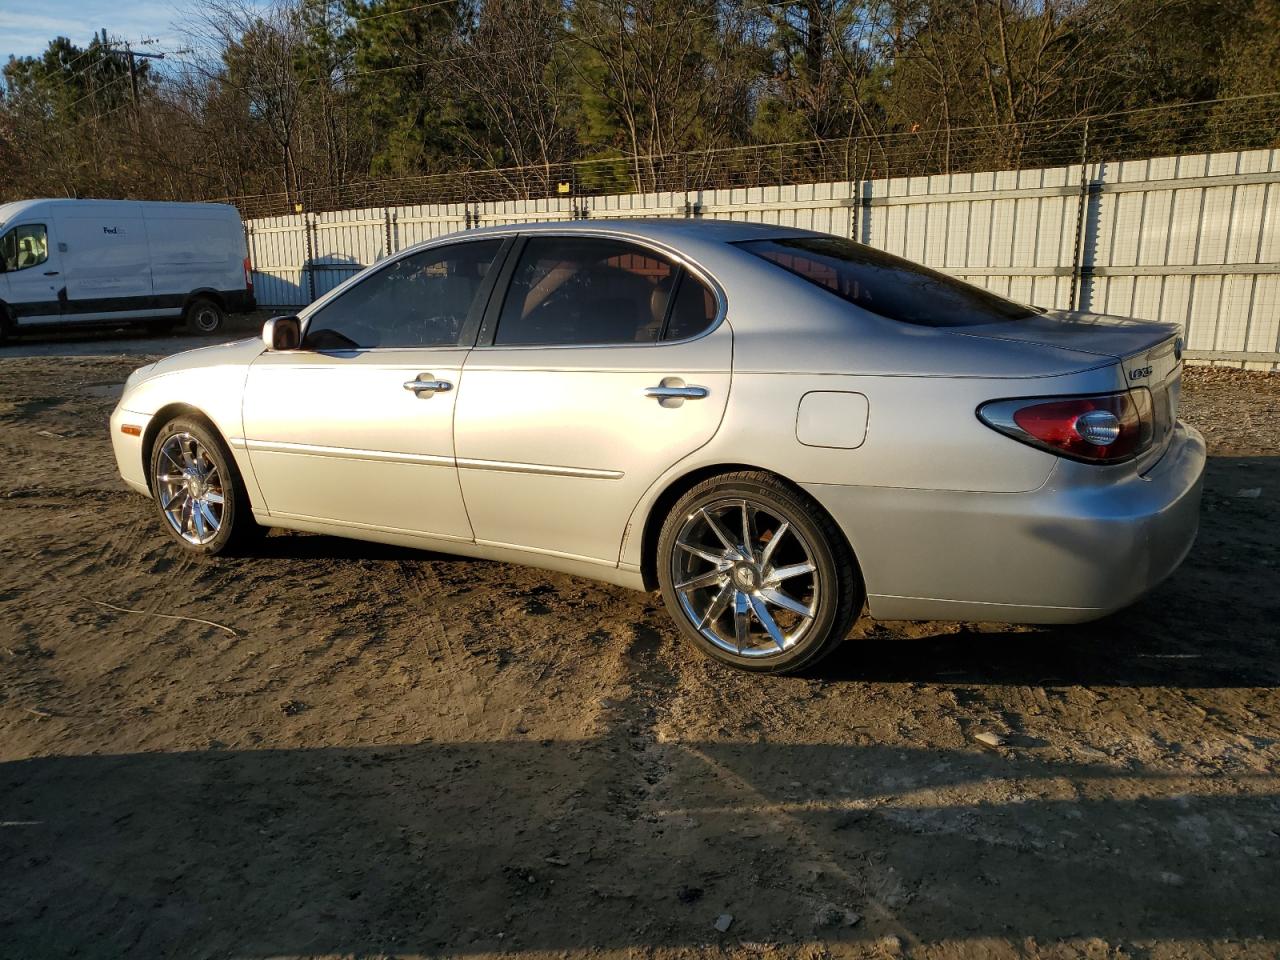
[[396, 13], [101, 89], [95, 118], [102, 49]]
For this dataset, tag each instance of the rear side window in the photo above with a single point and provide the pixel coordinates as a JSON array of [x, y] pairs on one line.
[[887, 285], [421, 300], [586, 290], [693, 311]]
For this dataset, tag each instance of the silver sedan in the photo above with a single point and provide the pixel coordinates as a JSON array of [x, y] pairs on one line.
[[774, 427]]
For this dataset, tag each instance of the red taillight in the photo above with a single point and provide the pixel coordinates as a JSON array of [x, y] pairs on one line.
[[248, 274], [1107, 428]]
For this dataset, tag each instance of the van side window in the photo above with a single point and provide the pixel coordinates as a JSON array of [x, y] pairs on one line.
[[420, 300], [25, 246], [585, 290]]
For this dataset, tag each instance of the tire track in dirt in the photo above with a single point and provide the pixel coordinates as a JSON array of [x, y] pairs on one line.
[[652, 683], [433, 645]]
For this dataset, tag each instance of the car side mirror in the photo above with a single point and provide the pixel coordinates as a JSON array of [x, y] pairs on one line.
[[282, 333]]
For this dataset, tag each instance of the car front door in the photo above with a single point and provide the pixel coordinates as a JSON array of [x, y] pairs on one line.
[[31, 272], [355, 429], [603, 366]]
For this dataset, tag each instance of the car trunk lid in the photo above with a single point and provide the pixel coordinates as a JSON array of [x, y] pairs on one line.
[[1148, 355]]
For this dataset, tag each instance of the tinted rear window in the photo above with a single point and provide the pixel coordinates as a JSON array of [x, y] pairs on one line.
[[887, 285], [585, 290]]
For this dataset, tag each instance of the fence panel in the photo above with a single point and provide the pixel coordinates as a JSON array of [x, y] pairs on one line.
[[277, 251], [425, 221], [1191, 239], [343, 243]]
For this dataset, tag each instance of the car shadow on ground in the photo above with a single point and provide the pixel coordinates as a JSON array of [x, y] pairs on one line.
[[549, 846]]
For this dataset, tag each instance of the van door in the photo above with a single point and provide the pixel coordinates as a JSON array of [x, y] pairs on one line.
[[31, 272], [108, 264]]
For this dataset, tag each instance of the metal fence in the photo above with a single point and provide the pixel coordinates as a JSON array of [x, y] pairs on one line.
[[1193, 239]]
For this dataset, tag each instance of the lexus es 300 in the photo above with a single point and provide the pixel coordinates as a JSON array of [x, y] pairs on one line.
[[776, 428]]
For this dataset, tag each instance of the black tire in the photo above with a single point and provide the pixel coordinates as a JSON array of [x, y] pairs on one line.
[[832, 593], [203, 315], [4, 323], [236, 527]]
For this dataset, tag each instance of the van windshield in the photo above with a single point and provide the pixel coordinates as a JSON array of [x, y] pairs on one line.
[[883, 284]]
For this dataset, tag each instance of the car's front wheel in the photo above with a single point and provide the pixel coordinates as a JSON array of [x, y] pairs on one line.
[[756, 574], [198, 491]]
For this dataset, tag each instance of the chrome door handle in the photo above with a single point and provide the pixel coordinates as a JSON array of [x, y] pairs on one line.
[[684, 393], [421, 386]]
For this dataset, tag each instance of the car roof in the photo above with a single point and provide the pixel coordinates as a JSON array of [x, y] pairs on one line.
[[668, 230]]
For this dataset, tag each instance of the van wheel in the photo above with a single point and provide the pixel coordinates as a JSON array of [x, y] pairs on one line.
[[204, 316]]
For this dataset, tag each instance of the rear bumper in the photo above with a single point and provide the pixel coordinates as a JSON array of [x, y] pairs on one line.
[[1066, 553], [239, 301]]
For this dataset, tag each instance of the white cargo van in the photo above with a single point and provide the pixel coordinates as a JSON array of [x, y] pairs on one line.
[[110, 261]]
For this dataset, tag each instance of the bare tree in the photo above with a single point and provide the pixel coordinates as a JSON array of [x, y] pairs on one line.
[[255, 54], [512, 67]]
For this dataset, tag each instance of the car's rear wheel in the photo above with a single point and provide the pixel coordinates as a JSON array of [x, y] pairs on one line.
[[198, 491], [204, 316], [756, 574]]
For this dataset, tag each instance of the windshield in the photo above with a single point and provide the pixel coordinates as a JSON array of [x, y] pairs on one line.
[[887, 285]]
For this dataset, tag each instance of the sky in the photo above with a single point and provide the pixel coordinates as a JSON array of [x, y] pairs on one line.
[[27, 26]]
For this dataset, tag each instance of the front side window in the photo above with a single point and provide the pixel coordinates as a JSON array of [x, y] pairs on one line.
[[887, 285], [25, 246], [586, 290], [422, 300]]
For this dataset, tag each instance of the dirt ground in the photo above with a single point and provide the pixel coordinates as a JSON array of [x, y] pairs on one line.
[[388, 753]]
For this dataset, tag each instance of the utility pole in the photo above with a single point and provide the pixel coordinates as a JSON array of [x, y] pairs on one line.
[[133, 66]]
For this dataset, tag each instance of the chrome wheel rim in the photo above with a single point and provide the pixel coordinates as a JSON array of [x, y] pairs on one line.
[[746, 578], [190, 488], [206, 319]]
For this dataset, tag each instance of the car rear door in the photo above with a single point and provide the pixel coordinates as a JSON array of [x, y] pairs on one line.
[[604, 363], [356, 428]]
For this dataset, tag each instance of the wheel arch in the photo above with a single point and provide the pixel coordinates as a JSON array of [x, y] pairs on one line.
[[679, 486], [162, 416], [204, 293]]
